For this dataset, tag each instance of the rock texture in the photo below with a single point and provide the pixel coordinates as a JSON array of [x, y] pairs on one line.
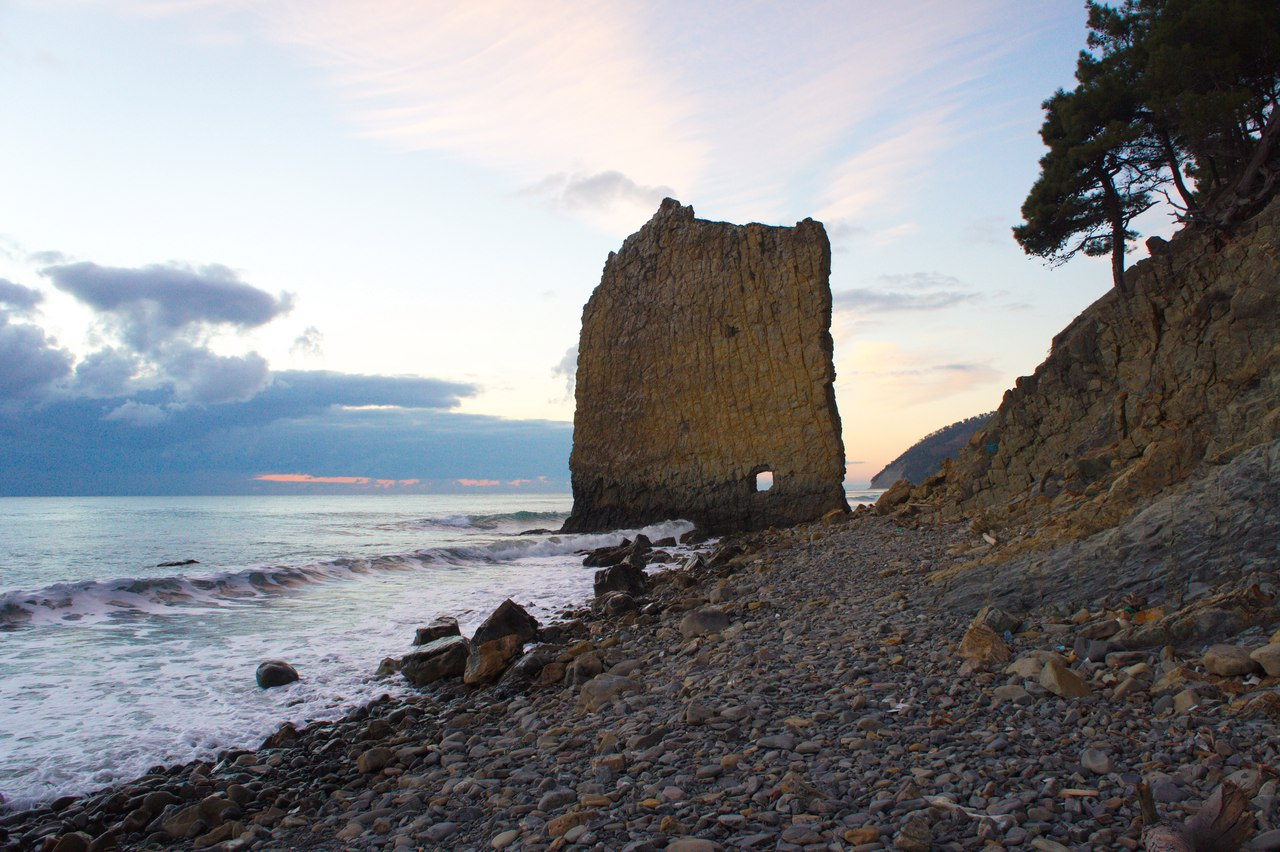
[[1140, 393], [704, 360]]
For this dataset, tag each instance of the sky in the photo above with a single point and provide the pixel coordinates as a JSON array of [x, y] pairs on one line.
[[282, 247]]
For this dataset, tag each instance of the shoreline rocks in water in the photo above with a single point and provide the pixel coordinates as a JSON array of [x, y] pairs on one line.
[[824, 707]]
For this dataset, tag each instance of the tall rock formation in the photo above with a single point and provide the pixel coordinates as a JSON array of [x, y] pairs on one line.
[[1142, 392], [704, 361]]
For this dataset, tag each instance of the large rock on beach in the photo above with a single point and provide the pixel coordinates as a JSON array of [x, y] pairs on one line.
[[705, 360], [441, 627], [488, 660], [273, 673], [623, 577], [509, 619], [436, 660]]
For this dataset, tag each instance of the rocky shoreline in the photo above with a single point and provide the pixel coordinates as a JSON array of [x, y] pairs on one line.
[[799, 689]]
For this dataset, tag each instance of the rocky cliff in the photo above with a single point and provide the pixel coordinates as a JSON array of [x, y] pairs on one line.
[[1142, 392], [924, 458], [705, 361]]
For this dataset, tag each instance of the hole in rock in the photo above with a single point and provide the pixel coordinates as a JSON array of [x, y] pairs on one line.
[[764, 480]]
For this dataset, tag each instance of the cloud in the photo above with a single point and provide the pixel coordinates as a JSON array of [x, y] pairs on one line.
[[477, 483], [202, 377], [603, 192], [319, 423], [139, 414], [892, 376], [917, 291], [568, 368], [31, 362], [154, 304], [106, 373], [308, 343], [17, 298], [871, 301]]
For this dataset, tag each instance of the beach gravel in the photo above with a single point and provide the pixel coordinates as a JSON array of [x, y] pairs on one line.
[[821, 703]]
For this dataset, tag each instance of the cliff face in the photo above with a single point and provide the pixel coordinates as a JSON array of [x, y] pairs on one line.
[[925, 457], [704, 360], [1139, 393]]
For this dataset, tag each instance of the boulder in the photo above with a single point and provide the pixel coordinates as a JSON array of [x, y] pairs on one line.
[[563, 631], [439, 659], [1062, 681], [702, 621], [488, 660], [617, 603], [603, 688], [525, 670], [623, 577], [443, 626], [604, 557], [272, 673], [1268, 656], [1229, 661], [509, 619], [981, 647]]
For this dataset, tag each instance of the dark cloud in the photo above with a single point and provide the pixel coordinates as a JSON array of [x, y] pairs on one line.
[[105, 373], [313, 423], [155, 304], [18, 298], [308, 343], [568, 368], [200, 376], [600, 191], [30, 363]]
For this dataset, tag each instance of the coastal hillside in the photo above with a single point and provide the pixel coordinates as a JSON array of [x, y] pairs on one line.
[[923, 458], [1164, 399]]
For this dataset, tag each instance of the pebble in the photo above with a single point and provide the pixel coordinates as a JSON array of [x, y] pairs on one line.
[[825, 709]]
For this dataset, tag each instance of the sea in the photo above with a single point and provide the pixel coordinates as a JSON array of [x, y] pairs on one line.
[[114, 659]]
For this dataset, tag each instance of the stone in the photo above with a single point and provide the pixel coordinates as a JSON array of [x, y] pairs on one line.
[[1186, 701], [528, 667], [76, 841], [1268, 656], [436, 660], [374, 760], [509, 619], [1062, 681], [1000, 621], [1229, 661], [273, 673], [615, 604], [603, 688], [1096, 761], [916, 835], [441, 627], [623, 577], [1009, 693], [487, 661], [705, 359], [388, 667], [561, 825], [981, 647], [503, 839], [702, 621]]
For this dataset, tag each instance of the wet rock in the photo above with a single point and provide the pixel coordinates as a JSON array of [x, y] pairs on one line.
[[509, 619], [436, 660], [441, 627], [374, 759], [273, 673], [621, 578], [487, 661]]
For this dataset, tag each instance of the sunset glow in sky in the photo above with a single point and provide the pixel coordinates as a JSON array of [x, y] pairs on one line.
[[246, 241]]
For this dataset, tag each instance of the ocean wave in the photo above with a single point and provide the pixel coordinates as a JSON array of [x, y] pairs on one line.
[[99, 600], [497, 522]]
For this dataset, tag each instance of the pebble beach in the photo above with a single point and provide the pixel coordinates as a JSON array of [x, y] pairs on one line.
[[795, 689]]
